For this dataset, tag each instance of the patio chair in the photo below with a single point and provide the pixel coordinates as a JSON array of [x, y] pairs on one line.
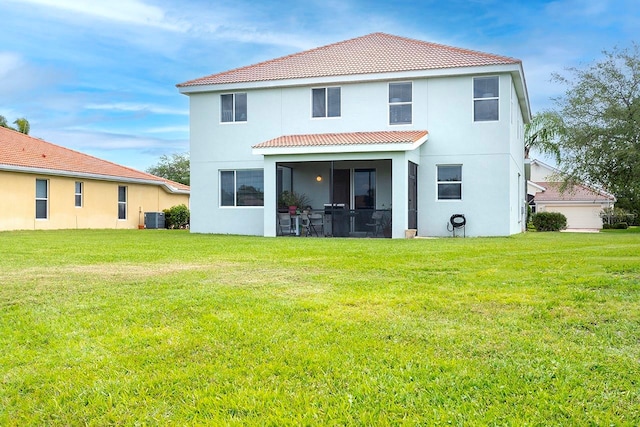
[[316, 221], [284, 224], [305, 224], [375, 225]]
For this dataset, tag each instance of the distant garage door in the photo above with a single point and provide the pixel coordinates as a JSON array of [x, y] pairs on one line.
[[580, 216]]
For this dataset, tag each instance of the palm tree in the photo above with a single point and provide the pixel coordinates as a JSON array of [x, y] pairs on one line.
[[21, 123], [541, 134]]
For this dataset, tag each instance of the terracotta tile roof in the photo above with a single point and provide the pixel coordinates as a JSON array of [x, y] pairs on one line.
[[579, 193], [23, 152], [349, 138], [373, 53]]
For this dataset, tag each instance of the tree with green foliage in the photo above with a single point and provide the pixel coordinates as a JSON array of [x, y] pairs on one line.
[[175, 167], [600, 139], [22, 125], [541, 134]]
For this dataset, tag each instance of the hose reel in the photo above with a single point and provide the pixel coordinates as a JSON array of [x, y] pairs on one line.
[[457, 221]]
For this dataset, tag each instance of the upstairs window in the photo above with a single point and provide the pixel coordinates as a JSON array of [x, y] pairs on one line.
[[325, 102], [485, 99], [233, 107], [42, 198], [449, 182], [78, 195], [400, 99]]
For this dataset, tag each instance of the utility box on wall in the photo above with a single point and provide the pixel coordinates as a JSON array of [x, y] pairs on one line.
[[154, 220]]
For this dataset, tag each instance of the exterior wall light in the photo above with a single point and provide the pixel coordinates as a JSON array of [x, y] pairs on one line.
[[319, 178]]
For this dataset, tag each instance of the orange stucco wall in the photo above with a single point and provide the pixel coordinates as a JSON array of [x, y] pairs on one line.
[[100, 203]]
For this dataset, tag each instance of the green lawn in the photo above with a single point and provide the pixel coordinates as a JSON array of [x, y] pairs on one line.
[[158, 327]]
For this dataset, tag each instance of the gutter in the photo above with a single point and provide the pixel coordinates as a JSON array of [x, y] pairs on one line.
[[97, 177]]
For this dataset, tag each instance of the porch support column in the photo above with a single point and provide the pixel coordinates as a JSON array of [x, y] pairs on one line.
[[399, 195], [270, 196]]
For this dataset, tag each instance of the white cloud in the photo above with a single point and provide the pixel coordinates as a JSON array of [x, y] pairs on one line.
[[9, 62], [130, 107], [169, 129], [126, 11], [127, 150], [19, 77]]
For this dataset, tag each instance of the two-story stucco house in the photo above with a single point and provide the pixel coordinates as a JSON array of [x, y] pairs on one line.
[[417, 130]]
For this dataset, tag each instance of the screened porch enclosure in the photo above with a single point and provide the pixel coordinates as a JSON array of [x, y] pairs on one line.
[[353, 197]]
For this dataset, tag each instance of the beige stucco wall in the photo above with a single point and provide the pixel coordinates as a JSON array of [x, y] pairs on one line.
[[578, 216], [100, 204]]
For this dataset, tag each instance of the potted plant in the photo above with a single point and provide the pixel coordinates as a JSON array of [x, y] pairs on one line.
[[290, 200]]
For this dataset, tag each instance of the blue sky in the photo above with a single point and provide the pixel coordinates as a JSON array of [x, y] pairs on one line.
[[99, 76]]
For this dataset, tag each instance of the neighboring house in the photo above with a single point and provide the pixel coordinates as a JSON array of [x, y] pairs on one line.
[[418, 130], [581, 204], [46, 186]]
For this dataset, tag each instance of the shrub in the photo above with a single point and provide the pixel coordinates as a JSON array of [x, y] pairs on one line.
[[177, 216], [620, 226], [606, 226], [549, 221], [616, 215]]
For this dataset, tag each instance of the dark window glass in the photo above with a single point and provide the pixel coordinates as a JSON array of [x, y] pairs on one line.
[[333, 98], [226, 108], [242, 188], [450, 182], [325, 102], [364, 183], [449, 191], [400, 92], [227, 188], [400, 98], [485, 99], [41, 189], [319, 105], [400, 114], [41, 209], [78, 194], [250, 188], [449, 173], [122, 194], [485, 110], [241, 107], [122, 202], [42, 198], [485, 87]]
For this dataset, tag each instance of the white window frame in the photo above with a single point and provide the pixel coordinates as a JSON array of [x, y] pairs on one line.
[[79, 195], [235, 189], [438, 183], [399, 103], [42, 199], [123, 202], [484, 98], [326, 102], [233, 107]]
